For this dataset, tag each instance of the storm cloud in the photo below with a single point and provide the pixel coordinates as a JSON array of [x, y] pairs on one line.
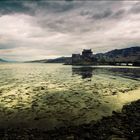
[[38, 29]]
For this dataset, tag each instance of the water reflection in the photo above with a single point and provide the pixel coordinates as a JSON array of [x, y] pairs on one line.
[[88, 72], [85, 72], [132, 73]]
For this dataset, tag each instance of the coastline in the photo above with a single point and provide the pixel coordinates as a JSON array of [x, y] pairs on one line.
[[124, 125]]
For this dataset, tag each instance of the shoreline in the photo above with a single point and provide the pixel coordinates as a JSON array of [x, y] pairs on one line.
[[124, 125]]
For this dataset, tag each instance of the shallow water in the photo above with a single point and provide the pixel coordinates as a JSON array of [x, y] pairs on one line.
[[54, 95]]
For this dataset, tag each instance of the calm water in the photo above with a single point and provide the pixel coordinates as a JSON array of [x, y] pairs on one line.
[[54, 95]]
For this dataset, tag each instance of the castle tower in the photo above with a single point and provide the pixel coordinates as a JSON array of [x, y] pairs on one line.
[[87, 54]]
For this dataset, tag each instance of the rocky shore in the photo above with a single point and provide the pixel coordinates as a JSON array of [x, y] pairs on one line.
[[124, 125]]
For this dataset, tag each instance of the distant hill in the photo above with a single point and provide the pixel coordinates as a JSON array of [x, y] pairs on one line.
[[120, 55], [37, 61], [56, 60], [131, 54], [59, 60], [1, 60]]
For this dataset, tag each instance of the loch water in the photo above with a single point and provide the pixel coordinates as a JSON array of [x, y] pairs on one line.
[[54, 95]]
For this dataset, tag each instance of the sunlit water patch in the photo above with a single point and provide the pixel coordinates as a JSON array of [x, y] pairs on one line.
[[54, 95]]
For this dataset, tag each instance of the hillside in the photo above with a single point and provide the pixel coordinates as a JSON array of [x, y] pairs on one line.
[[37, 61], [2, 60], [131, 54], [120, 55], [56, 60], [59, 60]]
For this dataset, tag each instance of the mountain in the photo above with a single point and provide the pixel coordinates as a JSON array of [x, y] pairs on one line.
[[131, 54], [37, 61], [1, 60], [60, 60], [56, 60]]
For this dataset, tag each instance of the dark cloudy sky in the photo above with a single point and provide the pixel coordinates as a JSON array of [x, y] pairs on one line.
[[38, 29]]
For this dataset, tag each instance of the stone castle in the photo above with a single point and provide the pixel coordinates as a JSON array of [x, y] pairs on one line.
[[86, 58]]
